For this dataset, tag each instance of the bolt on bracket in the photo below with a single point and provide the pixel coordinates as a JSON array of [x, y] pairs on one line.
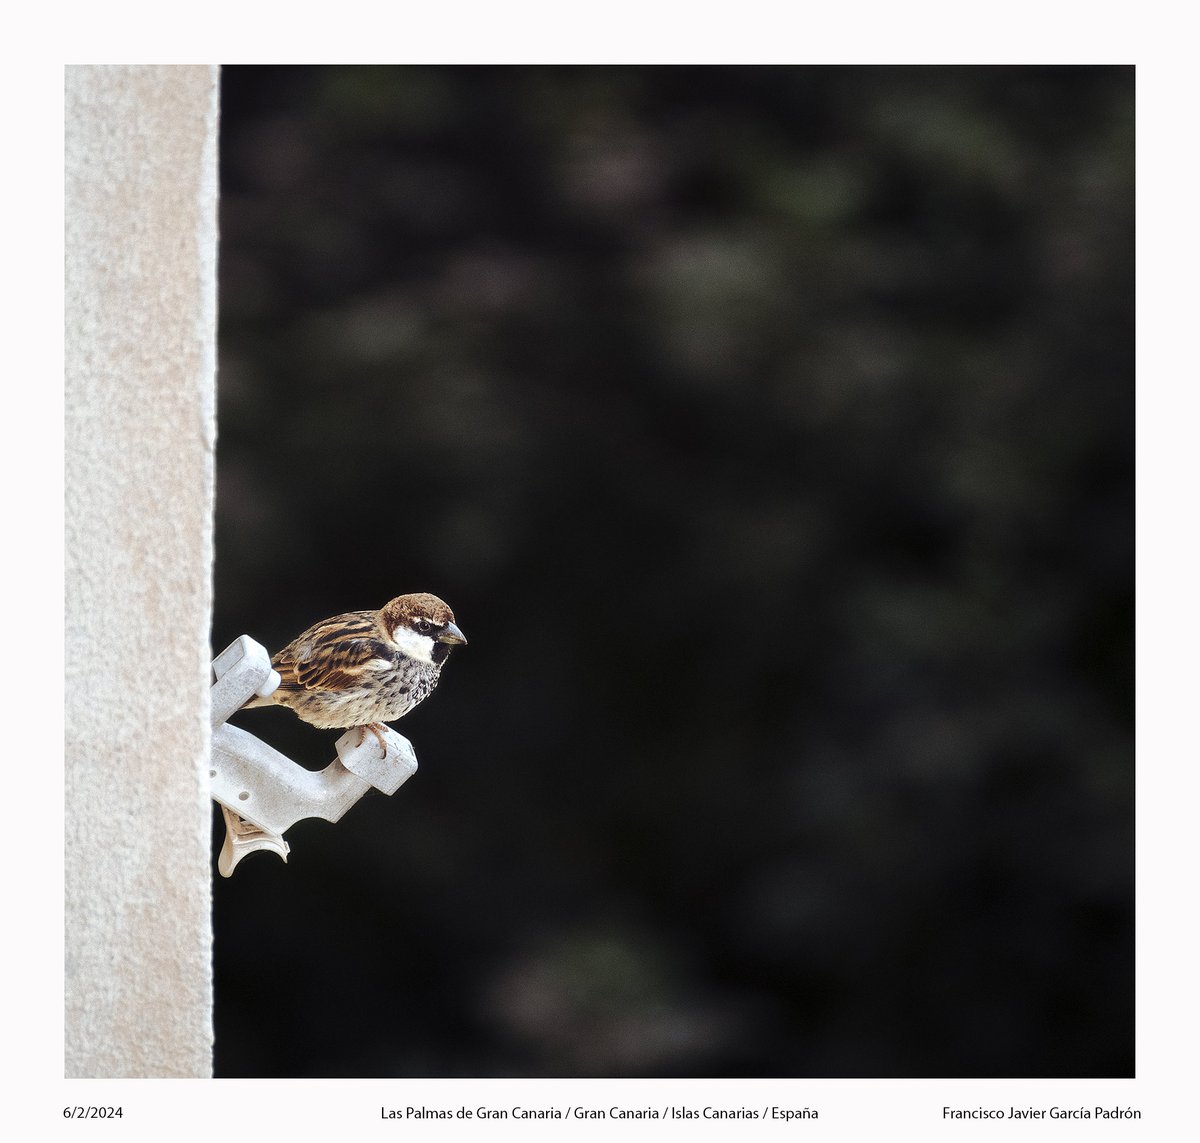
[[262, 792]]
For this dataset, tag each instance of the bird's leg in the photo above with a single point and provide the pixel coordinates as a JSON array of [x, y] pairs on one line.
[[377, 729]]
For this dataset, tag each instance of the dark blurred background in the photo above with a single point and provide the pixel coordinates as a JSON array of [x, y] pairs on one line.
[[770, 432]]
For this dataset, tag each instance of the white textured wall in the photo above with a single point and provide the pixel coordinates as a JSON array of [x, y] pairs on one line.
[[141, 238]]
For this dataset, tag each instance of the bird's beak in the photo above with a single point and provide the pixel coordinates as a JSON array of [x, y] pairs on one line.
[[451, 634]]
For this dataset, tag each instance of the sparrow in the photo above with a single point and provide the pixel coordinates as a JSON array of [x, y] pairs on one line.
[[365, 668]]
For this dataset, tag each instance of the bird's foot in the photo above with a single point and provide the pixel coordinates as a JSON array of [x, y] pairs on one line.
[[377, 729]]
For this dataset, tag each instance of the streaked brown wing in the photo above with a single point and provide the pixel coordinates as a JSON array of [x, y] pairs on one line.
[[331, 655]]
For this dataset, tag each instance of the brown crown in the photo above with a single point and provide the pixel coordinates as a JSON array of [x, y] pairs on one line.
[[408, 608]]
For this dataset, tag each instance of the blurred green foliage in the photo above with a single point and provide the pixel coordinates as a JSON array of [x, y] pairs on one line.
[[770, 431]]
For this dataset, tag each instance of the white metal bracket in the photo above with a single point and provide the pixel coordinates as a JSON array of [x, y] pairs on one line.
[[262, 792]]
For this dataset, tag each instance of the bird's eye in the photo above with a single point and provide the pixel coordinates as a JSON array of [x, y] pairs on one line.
[[424, 626]]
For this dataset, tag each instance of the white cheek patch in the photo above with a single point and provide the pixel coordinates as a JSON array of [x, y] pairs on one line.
[[413, 645]]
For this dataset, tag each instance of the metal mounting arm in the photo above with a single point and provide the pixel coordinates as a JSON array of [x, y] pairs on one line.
[[262, 792]]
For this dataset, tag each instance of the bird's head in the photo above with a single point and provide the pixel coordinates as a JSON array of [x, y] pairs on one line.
[[422, 626]]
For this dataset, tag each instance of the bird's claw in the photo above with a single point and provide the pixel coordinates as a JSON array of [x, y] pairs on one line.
[[377, 729]]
